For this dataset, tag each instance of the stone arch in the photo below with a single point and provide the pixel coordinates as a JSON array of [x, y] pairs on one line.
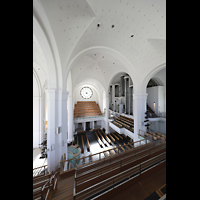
[[150, 75], [49, 48]]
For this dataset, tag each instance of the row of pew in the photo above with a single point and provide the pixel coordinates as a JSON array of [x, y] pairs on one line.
[[80, 141], [123, 122], [114, 143], [43, 185], [156, 136], [96, 177], [112, 139], [86, 108]]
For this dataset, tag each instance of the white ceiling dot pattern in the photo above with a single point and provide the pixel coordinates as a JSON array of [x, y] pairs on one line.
[[134, 28]]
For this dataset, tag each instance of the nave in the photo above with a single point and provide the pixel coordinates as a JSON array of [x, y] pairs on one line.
[[96, 145], [96, 178]]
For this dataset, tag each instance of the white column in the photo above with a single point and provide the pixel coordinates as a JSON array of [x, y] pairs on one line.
[[107, 115], [113, 97], [84, 126], [51, 132], [64, 128], [139, 109], [70, 120]]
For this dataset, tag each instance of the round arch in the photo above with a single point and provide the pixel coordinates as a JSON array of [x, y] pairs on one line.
[[126, 64], [48, 47], [150, 75]]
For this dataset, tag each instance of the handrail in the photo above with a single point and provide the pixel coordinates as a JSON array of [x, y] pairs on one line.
[[54, 180], [129, 173], [76, 160], [102, 151], [39, 168], [49, 183], [43, 187]]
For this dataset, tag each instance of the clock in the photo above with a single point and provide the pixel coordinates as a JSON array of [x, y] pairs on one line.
[[86, 92]]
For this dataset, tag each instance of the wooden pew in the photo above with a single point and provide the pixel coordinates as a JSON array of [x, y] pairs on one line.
[[132, 145], [121, 147], [77, 139], [115, 136], [111, 138], [99, 141], [126, 145], [104, 141], [82, 144], [88, 144], [119, 135], [109, 141]]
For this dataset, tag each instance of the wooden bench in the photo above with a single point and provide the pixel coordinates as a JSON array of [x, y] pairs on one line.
[[82, 150], [111, 138], [119, 135], [88, 144], [99, 141], [109, 141], [115, 136], [100, 173], [104, 141]]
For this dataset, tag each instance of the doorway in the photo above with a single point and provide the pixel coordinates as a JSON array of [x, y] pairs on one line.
[[87, 126]]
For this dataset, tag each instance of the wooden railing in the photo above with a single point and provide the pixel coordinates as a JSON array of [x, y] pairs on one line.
[[106, 183], [40, 170], [92, 158]]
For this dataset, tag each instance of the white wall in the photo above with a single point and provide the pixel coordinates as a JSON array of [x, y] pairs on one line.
[[157, 94], [78, 97], [36, 122], [153, 97]]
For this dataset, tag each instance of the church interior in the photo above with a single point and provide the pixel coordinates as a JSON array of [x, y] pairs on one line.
[[99, 99]]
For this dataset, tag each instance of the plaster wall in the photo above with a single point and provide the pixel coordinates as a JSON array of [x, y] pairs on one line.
[[78, 97]]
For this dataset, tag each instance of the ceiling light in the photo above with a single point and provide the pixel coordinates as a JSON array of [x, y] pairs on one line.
[[113, 26], [132, 35]]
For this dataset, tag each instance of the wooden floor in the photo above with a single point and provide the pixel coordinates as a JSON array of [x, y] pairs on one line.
[[64, 189], [144, 188]]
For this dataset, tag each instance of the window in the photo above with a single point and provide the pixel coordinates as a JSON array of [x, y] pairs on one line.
[[86, 92]]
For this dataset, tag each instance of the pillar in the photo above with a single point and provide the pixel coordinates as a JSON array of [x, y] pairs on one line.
[[70, 120], [107, 115], [51, 132], [64, 128], [113, 97], [57, 117], [139, 108]]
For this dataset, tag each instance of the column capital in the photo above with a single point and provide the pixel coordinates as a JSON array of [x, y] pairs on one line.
[[140, 96], [51, 94], [63, 94]]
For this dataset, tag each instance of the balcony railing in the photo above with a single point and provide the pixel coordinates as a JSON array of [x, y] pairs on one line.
[[89, 117]]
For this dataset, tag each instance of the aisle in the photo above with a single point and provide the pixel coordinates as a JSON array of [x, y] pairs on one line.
[[37, 162]]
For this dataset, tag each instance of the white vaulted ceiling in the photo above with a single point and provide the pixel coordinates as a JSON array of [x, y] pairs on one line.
[[133, 29]]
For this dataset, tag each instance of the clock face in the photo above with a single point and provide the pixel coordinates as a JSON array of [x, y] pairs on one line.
[[86, 92]]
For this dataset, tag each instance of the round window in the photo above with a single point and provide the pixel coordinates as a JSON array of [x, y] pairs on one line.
[[86, 92]]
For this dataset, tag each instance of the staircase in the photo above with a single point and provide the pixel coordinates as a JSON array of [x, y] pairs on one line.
[[151, 112], [86, 109], [64, 188]]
